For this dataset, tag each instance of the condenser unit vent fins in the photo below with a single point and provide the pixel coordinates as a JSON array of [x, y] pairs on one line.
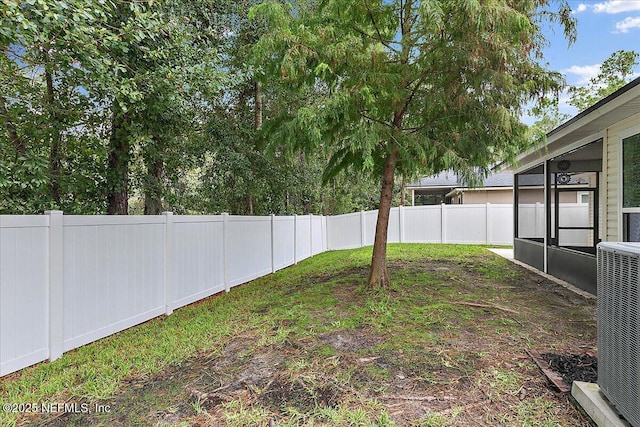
[[618, 327]]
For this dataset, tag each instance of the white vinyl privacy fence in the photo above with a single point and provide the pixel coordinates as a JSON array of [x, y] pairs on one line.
[[69, 280], [531, 222], [474, 224]]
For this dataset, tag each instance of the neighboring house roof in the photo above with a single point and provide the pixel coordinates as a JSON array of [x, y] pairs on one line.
[[449, 179], [441, 180]]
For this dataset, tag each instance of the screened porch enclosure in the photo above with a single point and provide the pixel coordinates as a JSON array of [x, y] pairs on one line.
[[557, 215]]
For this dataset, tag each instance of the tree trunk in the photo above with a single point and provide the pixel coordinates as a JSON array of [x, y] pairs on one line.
[[378, 275], [118, 163], [11, 128], [403, 191], [249, 205], [155, 171]]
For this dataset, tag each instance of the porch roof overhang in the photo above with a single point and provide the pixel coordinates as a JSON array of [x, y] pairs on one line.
[[586, 127]]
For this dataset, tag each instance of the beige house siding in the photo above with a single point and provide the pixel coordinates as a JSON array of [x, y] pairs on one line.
[[612, 165], [498, 197], [612, 161]]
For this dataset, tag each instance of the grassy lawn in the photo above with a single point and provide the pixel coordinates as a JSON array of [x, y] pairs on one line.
[[309, 346]]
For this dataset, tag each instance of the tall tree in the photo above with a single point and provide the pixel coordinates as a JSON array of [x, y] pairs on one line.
[[89, 85], [407, 85], [41, 54], [615, 72]]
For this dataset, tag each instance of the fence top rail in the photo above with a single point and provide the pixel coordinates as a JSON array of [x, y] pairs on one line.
[[98, 220], [242, 218], [181, 219], [470, 206], [23, 221], [422, 207]]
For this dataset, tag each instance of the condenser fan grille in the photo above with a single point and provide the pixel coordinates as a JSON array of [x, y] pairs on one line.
[[618, 327]]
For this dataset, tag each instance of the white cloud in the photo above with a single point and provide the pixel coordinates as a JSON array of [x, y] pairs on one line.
[[628, 23], [616, 6], [584, 72], [581, 8]]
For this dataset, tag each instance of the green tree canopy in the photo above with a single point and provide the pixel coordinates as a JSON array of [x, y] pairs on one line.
[[406, 86], [615, 72]]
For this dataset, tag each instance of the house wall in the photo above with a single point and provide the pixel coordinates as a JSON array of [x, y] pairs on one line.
[[611, 161], [498, 197]]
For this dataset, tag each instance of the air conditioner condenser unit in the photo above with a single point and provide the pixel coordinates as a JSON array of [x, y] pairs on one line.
[[619, 327]]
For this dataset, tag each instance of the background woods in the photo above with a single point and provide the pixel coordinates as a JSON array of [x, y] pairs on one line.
[[139, 107]]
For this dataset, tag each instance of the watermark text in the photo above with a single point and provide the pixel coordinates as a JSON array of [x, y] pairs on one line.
[[55, 408]]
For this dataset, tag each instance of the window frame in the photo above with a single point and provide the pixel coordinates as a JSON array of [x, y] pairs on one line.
[[628, 133], [622, 211]]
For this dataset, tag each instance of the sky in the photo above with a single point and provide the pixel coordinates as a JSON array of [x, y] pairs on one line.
[[604, 26]]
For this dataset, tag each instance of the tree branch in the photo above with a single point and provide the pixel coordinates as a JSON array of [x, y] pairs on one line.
[[407, 101], [364, 33], [375, 25], [373, 119]]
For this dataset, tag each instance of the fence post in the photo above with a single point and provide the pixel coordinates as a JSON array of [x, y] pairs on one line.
[[273, 243], [225, 249], [56, 284], [443, 223], [295, 238], [168, 262], [362, 230], [488, 227], [401, 223]]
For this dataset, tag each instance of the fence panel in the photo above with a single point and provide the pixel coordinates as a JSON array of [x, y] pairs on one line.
[[500, 224], [344, 231], [393, 232], [575, 215], [197, 256], [531, 220], [24, 279], [370, 218], [283, 241], [113, 275], [423, 224], [303, 237], [465, 224], [248, 248], [317, 235]]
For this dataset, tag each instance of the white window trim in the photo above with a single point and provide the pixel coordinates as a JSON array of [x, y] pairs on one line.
[[621, 211]]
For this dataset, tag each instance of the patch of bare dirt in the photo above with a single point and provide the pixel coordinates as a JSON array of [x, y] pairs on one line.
[[350, 340]]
